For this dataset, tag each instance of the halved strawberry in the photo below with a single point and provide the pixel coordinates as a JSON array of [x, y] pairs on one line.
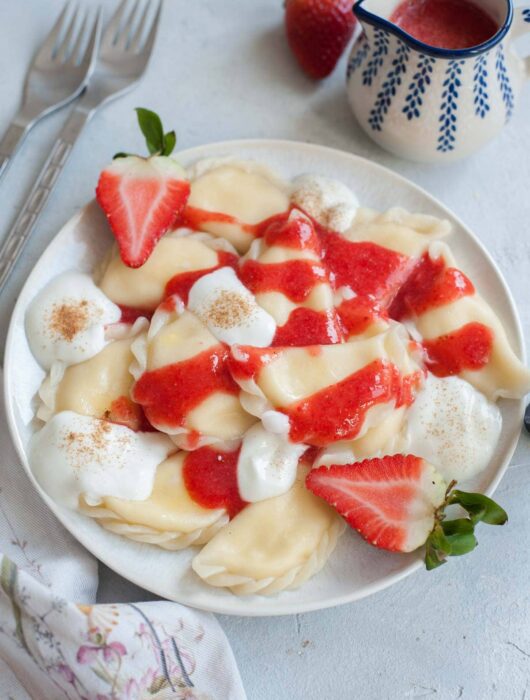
[[398, 502], [143, 197]]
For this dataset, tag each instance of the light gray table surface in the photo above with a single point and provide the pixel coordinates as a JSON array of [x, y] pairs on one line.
[[223, 71]]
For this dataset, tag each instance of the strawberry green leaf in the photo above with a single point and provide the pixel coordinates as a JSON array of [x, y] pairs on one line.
[[121, 155], [439, 541], [151, 127], [460, 534], [433, 558], [170, 139], [480, 507]]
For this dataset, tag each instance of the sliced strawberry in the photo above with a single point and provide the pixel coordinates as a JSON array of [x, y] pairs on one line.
[[398, 502], [318, 31], [391, 501], [142, 198]]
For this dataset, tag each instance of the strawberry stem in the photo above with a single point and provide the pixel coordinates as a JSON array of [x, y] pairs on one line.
[[451, 538], [158, 143]]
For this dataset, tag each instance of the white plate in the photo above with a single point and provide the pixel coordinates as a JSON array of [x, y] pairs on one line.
[[355, 569]]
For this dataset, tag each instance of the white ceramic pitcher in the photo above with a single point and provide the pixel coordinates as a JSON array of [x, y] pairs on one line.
[[429, 104]]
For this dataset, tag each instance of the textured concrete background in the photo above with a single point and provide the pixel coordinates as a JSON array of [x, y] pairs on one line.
[[221, 71]]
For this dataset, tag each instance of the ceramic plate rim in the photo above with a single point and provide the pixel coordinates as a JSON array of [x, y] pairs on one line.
[[189, 155]]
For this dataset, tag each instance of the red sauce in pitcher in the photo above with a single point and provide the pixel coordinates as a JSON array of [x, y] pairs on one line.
[[445, 24]]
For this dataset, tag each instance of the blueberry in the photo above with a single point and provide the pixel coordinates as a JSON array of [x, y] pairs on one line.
[[527, 418]]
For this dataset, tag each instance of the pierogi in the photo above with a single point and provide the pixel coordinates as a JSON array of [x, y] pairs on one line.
[[276, 327]]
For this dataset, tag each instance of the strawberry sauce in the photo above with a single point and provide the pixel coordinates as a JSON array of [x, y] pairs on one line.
[[293, 278], [125, 412], [169, 393], [210, 477], [308, 327], [358, 314], [195, 218], [446, 24], [338, 411], [298, 233], [129, 314], [468, 348], [431, 284], [182, 282], [368, 268], [249, 361]]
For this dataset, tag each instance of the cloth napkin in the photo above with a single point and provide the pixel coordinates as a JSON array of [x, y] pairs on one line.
[[56, 643]]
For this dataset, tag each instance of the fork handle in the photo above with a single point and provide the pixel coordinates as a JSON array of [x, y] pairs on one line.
[[11, 140], [18, 235]]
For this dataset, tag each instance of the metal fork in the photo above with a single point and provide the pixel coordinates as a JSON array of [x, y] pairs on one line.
[[125, 50], [58, 73]]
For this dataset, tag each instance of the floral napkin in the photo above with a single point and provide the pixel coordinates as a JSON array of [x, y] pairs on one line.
[[55, 643]]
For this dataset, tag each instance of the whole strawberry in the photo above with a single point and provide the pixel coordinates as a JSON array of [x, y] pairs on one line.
[[318, 31]]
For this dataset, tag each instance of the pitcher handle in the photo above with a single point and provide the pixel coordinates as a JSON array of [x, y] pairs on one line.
[[521, 26]]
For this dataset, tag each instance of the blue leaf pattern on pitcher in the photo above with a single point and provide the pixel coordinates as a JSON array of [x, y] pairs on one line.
[[526, 14], [480, 86], [449, 106], [420, 81], [389, 87], [381, 42], [357, 58], [504, 82]]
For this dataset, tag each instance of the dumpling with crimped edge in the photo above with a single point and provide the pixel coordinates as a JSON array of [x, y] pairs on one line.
[[181, 252], [169, 518], [330, 392], [272, 545], [397, 229], [285, 272], [231, 198], [182, 380], [461, 333], [98, 387]]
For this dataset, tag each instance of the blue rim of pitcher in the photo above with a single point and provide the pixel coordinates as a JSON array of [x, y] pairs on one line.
[[376, 21]]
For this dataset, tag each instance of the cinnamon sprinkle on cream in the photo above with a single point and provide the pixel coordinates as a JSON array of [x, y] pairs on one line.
[[92, 446], [68, 319], [230, 309]]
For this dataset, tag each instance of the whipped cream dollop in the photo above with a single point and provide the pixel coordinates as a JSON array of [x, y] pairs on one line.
[[76, 455], [267, 464], [66, 321], [453, 426], [327, 200], [230, 311], [276, 422]]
